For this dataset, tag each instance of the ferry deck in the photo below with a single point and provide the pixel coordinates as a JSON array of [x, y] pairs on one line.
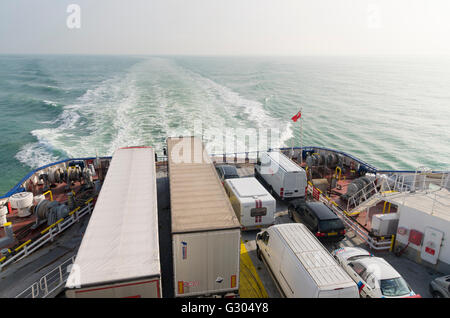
[[255, 280]]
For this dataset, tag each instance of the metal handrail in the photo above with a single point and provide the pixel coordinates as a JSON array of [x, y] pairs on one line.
[[375, 242], [50, 282], [18, 186], [48, 234], [372, 185]]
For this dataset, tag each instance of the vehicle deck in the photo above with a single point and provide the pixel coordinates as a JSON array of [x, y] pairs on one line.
[[416, 275], [255, 280]]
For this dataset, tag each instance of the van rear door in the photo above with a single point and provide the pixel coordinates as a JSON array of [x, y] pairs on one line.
[[291, 184]]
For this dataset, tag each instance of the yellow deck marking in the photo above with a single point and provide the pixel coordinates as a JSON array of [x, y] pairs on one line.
[[250, 285]]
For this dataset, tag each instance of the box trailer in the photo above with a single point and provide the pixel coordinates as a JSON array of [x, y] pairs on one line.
[[205, 229], [281, 176], [253, 205], [119, 254], [300, 265]]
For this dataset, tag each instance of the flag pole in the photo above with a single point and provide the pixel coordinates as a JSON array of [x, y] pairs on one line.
[[301, 137], [292, 148], [294, 119]]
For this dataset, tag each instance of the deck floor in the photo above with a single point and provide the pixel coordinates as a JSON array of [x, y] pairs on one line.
[[416, 275], [255, 280]]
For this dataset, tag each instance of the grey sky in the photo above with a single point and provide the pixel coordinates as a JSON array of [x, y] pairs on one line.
[[227, 27]]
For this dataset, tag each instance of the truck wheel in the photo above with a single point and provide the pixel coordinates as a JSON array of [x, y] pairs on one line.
[[258, 253]]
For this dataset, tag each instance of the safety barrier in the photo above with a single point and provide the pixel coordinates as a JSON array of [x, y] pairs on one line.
[[336, 173], [384, 207], [49, 192], [19, 186], [47, 235], [378, 243], [50, 283], [364, 194]]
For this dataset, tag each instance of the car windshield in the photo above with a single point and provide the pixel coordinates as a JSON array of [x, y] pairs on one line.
[[330, 225], [229, 171], [354, 258], [394, 287]]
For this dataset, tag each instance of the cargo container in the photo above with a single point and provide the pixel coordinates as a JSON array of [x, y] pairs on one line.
[[119, 254], [254, 206], [205, 229], [281, 176], [300, 265]]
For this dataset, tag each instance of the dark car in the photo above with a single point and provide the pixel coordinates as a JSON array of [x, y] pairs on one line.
[[319, 219], [227, 172]]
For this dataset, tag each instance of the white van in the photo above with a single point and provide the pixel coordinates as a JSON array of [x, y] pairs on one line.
[[283, 177], [300, 265], [253, 205]]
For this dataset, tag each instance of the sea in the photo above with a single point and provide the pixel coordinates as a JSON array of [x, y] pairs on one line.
[[390, 111]]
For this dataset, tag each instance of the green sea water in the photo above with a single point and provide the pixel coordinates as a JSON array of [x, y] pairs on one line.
[[392, 112]]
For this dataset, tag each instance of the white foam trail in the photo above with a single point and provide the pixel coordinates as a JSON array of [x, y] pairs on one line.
[[234, 105], [154, 99], [35, 155], [51, 103], [95, 123]]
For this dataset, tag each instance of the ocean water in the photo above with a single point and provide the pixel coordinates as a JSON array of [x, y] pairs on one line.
[[392, 112]]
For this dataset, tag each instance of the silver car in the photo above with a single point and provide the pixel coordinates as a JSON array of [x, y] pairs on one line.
[[440, 287]]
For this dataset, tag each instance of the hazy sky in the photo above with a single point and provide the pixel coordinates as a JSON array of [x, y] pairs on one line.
[[227, 27]]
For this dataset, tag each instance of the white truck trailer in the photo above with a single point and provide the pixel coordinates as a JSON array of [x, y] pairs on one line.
[[119, 253], [300, 265], [205, 230], [254, 206], [282, 177]]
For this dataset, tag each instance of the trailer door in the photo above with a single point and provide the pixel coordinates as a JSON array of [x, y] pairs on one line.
[[223, 260], [206, 262]]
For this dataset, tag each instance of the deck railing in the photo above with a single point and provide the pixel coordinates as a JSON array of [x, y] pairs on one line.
[[47, 235], [379, 243], [49, 284], [19, 186], [364, 194]]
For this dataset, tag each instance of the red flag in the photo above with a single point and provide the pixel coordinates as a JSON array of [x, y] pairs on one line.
[[297, 116]]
